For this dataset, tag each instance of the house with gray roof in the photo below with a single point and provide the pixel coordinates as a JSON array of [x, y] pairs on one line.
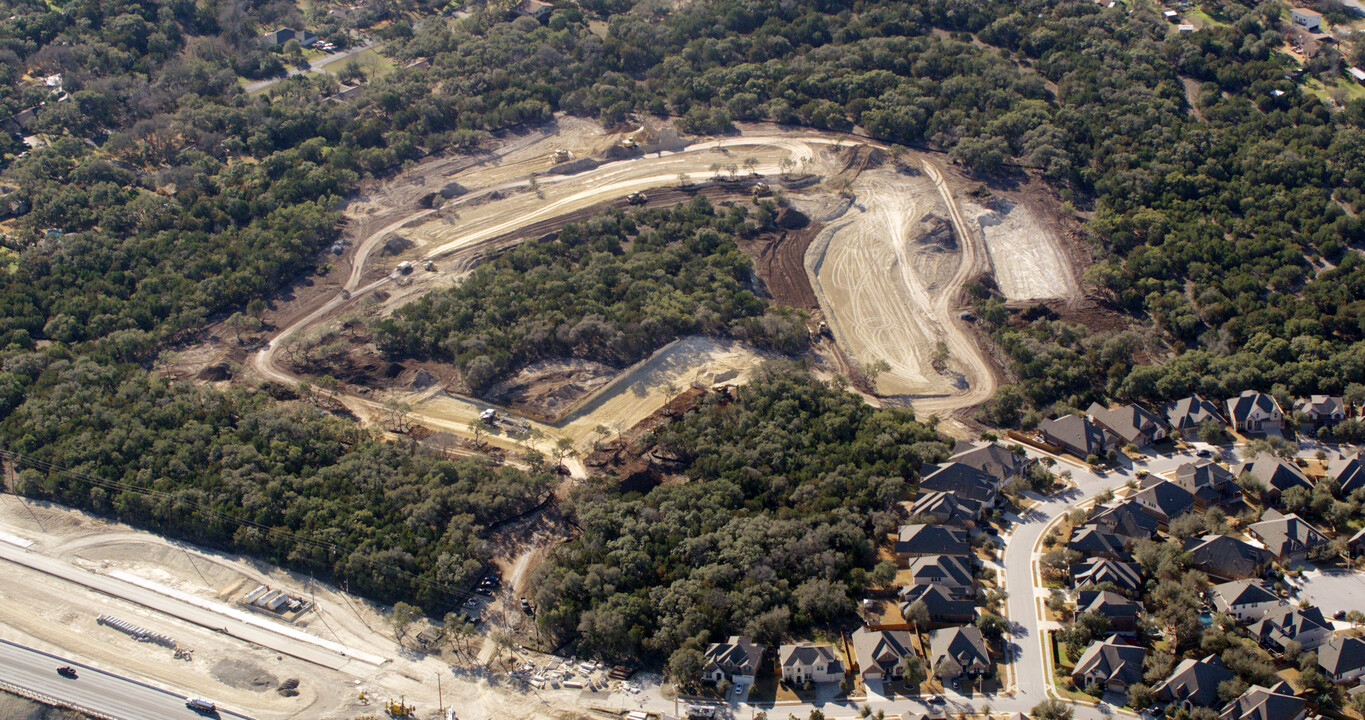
[[1121, 611], [737, 660], [1266, 703], [1285, 625], [991, 458], [1244, 600], [1275, 473], [920, 540], [1356, 545], [1125, 518], [1342, 659], [1112, 663], [1077, 435], [878, 653], [958, 651], [1194, 683], [1348, 473], [1289, 537], [1227, 558], [808, 662], [1131, 424], [1165, 501], [1098, 571], [950, 572], [1091, 540], [1321, 410], [1210, 483], [1254, 411], [944, 607], [964, 481], [945, 508], [1187, 414]]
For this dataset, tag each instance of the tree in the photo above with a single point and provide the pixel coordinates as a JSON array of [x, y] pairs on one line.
[[874, 368], [914, 671], [563, 449], [685, 667], [917, 614], [402, 617], [1051, 709], [242, 323], [1140, 696]]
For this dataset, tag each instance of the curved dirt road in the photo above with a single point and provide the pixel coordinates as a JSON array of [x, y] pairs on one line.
[[525, 201]]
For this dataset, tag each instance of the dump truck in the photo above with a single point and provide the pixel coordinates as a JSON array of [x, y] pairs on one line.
[[511, 424]]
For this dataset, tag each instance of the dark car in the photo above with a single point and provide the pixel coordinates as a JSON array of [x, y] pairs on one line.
[[66, 671], [1203, 453], [526, 606], [1339, 615]]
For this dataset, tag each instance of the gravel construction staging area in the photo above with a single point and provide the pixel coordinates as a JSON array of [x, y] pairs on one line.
[[1025, 256]]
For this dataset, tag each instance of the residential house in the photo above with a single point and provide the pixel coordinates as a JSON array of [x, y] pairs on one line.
[[878, 653], [1112, 663], [1266, 703], [1321, 410], [1275, 473], [1210, 483], [953, 573], [1121, 612], [1090, 540], [995, 460], [735, 660], [1098, 571], [1227, 558], [1255, 412], [945, 508], [1342, 659], [921, 540], [1288, 537], [964, 481], [944, 607], [1187, 414], [1356, 545], [958, 651], [1076, 435], [1165, 501], [533, 9], [807, 662], [1194, 682], [1244, 600], [1347, 473], [1310, 20], [1286, 625], [281, 36], [1126, 519], [1131, 424]]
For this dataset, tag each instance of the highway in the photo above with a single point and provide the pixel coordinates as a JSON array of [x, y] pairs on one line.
[[93, 690], [313, 650]]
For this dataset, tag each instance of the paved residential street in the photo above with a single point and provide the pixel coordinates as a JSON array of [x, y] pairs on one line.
[[313, 66]]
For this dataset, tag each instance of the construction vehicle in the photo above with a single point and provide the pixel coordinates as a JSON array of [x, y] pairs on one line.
[[761, 189], [399, 709], [512, 425], [637, 198], [561, 156]]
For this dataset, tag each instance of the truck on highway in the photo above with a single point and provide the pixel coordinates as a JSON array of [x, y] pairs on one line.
[[200, 705]]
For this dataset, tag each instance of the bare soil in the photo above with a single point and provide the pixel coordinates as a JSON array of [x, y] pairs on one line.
[[779, 261], [13, 707], [244, 675], [549, 388]]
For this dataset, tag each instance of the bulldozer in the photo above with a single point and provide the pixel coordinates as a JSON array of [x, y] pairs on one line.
[[561, 156], [637, 198], [399, 709]]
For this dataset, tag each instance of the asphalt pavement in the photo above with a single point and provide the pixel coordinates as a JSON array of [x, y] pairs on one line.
[[93, 689]]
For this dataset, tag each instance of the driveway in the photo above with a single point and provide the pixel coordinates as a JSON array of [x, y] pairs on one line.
[[313, 66], [1332, 591]]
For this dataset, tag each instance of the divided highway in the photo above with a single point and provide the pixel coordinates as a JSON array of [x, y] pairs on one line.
[[93, 690]]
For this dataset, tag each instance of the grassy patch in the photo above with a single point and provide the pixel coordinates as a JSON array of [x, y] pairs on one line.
[[374, 64]]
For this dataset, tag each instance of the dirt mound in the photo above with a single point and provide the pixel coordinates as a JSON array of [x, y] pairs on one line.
[[550, 388], [938, 232], [573, 167], [790, 218], [419, 379], [215, 373], [244, 675], [395, 244]]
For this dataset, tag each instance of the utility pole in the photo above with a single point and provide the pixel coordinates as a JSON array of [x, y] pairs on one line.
[[440, 699]]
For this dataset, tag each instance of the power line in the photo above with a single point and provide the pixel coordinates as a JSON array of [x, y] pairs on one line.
[[16, 459]]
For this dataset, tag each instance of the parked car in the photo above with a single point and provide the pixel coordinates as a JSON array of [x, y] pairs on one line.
[[526, 606], [1203, 453]]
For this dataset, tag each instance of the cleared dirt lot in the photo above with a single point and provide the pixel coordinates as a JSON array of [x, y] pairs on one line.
[[1026, 257]]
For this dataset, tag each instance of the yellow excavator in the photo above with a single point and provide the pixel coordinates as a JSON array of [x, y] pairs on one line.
[[399, 709]]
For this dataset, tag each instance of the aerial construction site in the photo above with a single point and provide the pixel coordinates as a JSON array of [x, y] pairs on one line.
[[880, 245]]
